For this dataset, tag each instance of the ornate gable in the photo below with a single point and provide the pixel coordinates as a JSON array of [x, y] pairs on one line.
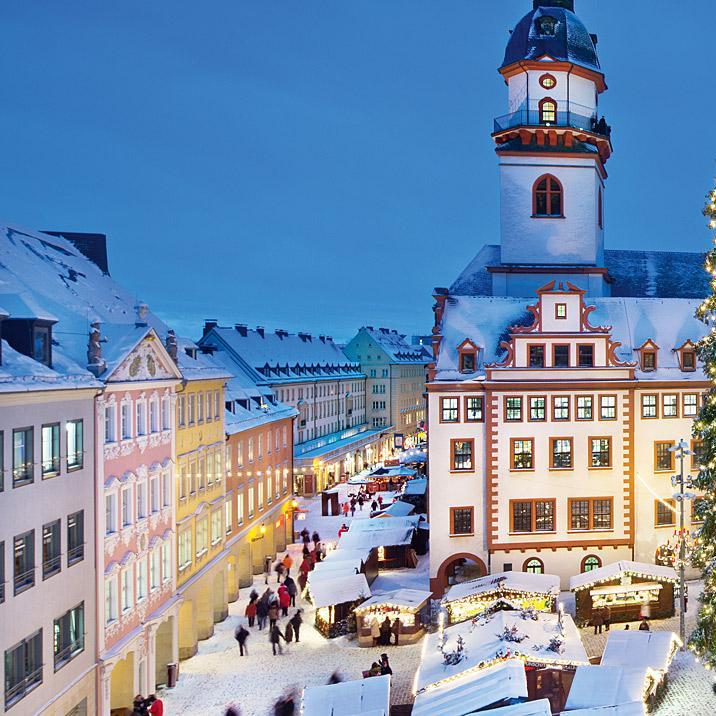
[[147, 361]]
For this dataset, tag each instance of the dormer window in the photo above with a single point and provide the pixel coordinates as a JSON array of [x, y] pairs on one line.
[[467, 356], [546, 25], [686, 353], [30, 336], [41, 344], [648, 356], [560, 311]]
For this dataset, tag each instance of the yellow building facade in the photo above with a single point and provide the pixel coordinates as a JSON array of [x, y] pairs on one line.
[[200, 508]]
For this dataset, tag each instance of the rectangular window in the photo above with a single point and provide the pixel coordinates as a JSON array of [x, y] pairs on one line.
[[51, 550], [560, 355], [217, 404], [23, 668], [522, 453], [560, 407], [185, 549], [217, 530], [648, 360], [585, 355], [251, 501], [560, 311], [154, 505], [532, 515], [664, 513], [260, 450], [669, 405], [261, 495], [209, 406], [166, 419], [607, 407], [649, 406], [579, 514], [153, 415], [697, 454], [600, 452], [110, 514], [474, 409], [602, 514], [126, 507], [109, 426], [22, 457], [561, 453], [461, 521], [110, 600], [50, 449], [166, 561], [127, 582], [154, 569], [75, 537], [449, 410], [251, 449], [141, 417], [74, 430], [585, 407], [199, 407], [239, 453], [181, 411], [690, 405], [191, 402], [513, 409], [536, 356], [590, 513], [240, 508], [141, 579], [467, 361], [228, 520], [663, 457], [462, 454], [69, 635], [24, 557], [202, 536], [538, 408], [141, 492]]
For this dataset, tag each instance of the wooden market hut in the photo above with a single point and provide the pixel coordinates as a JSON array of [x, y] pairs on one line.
[[360, 560], [628, 589], [415, 492], [329, 503], [409, 605], [501, 590], [392, 538], [335, 596], [365, 696]]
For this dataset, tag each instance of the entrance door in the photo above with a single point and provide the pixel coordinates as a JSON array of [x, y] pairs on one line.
[[308, 485]]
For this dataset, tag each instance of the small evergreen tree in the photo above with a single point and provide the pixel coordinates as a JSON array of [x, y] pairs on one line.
[[703, 638]]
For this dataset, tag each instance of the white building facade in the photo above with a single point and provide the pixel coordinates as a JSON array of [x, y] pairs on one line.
[[563, 371]]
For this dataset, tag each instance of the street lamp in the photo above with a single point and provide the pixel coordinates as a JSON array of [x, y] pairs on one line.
[[681, 450], [294, 506]]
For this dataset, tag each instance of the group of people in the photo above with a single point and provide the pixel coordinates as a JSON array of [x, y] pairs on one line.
[[380, 668], [310, 557], [601, 617], [381, 632], [150, 706], [360, 498]]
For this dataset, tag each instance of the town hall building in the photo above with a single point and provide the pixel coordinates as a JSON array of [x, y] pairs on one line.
[[563, 371]]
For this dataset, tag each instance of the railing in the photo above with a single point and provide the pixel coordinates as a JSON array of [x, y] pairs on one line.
[[18, 690], [567, 114], [75, 554], [24, 580], [51, 566], [23, 474], [69, 652]]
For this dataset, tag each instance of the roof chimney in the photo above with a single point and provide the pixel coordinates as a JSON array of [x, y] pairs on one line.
[[260, 331], [209, 323], [142, 310], [171, 345], [281, 333], [242, 329]]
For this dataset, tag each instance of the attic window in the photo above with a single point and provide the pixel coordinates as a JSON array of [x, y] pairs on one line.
[[648, 360], [546, 25], [560, 310], [688, 360], [467, 353], [41, 344]]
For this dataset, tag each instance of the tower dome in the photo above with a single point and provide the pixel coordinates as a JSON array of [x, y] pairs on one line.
[[551, 28]]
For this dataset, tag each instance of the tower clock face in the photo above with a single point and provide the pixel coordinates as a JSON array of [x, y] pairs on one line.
[[547, 81], [546, 25]]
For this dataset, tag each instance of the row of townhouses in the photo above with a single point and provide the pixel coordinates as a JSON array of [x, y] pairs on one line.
[[564, 372], [145, 478]]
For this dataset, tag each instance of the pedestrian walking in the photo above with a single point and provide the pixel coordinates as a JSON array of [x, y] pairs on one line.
[[139, 706], [292, 590], [279, 569], [288, 632], [607, 617], [395, 628], [275, 637], [296, 621], [250, 611], [267, 568], [380, 501], [644, 626], [284, 599], [385, 665], [346, 507], [287, 563], [262, 611], [385, 632], [375, 631], [343, 528], [360, 502], [155, 706], [316, 539], [273, 615], [285, 706], [597, 620], [241, 635], [374, 505]]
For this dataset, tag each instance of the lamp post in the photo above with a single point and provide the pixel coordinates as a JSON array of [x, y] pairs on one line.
[[294, 507], [680, 451]]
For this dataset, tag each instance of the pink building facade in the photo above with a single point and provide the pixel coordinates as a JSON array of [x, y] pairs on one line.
[[136, 522]]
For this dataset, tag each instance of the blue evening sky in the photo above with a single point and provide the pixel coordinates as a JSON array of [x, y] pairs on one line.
[[322, 165]]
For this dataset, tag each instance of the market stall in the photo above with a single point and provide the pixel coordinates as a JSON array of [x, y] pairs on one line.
[[399, 508], [388, 479], [367, 557], [629, 589], [335, 597], [492, 687], [540, 707], [601, 687], [367, 697], [502, 590], [547, 644], [407, 605], [392, 537], [415, 492]]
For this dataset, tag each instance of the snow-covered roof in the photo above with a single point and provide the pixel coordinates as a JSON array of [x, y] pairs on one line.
[[379, 532], [483, 644], [397, 509], [501, 582], [282, 357], [396, 347], [623, 567], [600, 686], [412, 599], [633, 708], [367, 697], [541, 707], [335, 566], [327, 588], [638, 274], [644, 649], [413, 455], [418, 486], [669, 322], [500, 682], [344, 554]]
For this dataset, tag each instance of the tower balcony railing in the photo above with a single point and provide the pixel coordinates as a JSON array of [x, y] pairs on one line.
[[564, 114]]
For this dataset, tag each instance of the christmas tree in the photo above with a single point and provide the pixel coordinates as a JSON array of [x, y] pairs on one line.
[[703, 638]]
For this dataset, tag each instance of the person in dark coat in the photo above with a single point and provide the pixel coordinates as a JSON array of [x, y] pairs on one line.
[[296, 621], [607, 613], [285, 706], [644, 626], [290, 584], [385, 665], [232, 711], [360, 502], [262, 611], [396, 629], [380, 501], [385, 632], [597, 620], [279, 569], [374, 505], [139, 706], [273, 615], [316, 539], [241, 635], [275, 637]]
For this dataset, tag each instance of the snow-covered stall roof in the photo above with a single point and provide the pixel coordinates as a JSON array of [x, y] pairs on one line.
[[384, 532], [418, 486], [634, 708], [541, 707], [413, 455], [500, 682], [397, 509], [344, 566], [601, 686], [344, 554], [645, 649], [367, 697], [623, 567], [406, 599], [501, 582], [327, 588], [484, 643]]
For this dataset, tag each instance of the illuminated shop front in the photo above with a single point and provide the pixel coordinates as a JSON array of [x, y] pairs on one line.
[[410, 606]]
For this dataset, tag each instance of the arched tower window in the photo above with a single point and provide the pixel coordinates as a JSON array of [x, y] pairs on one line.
[[534, 566], [547, 196], [547, 111]]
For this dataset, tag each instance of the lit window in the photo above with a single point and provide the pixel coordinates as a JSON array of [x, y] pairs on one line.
[[534, 566], [547, 81], [547, 111], [537, 408], [547, 197], [522, 453]]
